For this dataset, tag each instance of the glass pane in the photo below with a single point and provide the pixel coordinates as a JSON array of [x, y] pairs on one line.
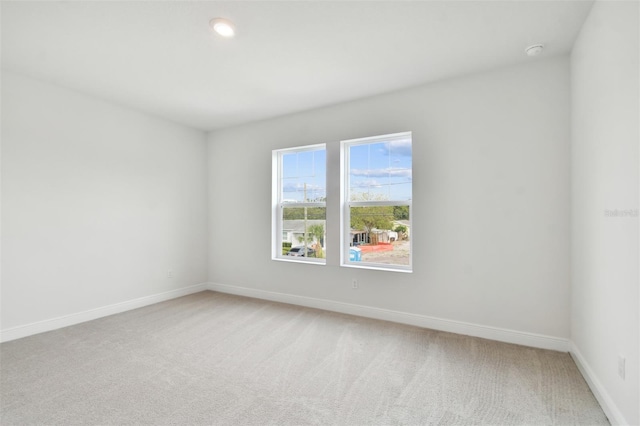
[[381, 171], [304, 176], [304, 231], [380, 234]]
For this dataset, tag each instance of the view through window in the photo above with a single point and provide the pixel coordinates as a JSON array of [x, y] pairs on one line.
[[300, 203], [377, 192]]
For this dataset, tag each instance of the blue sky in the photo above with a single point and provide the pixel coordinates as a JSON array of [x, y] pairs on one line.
[[308, 167], [381, 169]]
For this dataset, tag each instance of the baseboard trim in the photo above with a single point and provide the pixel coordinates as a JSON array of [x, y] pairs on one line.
[[458, 327], [91, 314], [608, 406]]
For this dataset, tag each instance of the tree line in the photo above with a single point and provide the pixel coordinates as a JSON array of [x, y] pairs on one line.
[[362, 218]]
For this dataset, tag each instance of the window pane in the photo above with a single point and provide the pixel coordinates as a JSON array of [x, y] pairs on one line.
[[380, 234], [304, 176], [304, 231], [381, 170]]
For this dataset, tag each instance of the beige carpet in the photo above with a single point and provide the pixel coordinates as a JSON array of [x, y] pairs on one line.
[[212, 358]]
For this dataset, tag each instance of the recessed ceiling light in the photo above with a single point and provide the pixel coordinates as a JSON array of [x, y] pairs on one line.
[[222, 26], [534, 50]]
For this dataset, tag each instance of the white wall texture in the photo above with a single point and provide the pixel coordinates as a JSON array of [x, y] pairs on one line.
[[98, 202], [491, 200], [604, 158]]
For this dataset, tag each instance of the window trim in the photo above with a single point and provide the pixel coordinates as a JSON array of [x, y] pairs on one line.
[[278, 204], [346, 205]]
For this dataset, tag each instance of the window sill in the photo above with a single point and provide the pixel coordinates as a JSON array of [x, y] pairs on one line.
[[378, 267], [300, 260]]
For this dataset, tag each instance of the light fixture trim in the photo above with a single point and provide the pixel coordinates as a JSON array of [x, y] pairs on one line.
[[534, 50], [222, 27]]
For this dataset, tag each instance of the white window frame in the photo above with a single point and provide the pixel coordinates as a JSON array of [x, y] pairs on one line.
[[346, 204], [278, 204]]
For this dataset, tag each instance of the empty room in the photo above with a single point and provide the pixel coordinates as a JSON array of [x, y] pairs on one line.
[[320, 212]]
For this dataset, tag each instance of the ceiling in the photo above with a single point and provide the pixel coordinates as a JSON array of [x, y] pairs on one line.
[[160, 57]]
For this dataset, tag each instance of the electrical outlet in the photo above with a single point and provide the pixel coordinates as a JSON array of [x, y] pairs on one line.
[[354, 283], [170, 273], [621, 366]]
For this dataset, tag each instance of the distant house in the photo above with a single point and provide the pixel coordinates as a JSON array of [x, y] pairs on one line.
[[359, 237], [404, 223], [376, 236], [293, 231]]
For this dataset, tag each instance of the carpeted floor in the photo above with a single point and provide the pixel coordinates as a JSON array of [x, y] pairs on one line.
[[212, 358]]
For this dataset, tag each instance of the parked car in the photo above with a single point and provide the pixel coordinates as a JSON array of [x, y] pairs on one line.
[[300, 252]]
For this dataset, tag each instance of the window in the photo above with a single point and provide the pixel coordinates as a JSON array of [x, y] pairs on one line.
[[299, 204], [376, 202]]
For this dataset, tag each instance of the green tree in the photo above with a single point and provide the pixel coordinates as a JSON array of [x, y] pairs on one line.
[[401, 212], [367, 218], [297, 213], [402, 232], [315, 233], [371, 217], [400, 228]]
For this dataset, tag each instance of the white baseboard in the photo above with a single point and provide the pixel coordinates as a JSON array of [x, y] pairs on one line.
[[116, 308], [608, 406], [459, 327]]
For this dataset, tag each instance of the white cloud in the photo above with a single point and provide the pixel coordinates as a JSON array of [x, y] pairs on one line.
[[401, 147], [369, 183], [296, 186], [386, 173], [295, 192]]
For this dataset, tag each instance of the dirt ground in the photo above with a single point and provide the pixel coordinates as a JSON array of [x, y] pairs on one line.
[[398, 256]]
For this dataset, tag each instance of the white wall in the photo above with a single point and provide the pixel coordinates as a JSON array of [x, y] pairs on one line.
[[98, 202], [491, 200], [605, 137]]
